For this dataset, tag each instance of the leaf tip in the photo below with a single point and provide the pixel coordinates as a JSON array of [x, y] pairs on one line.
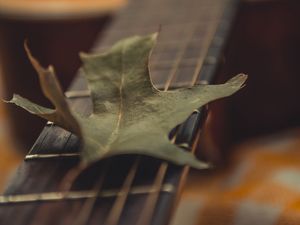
[[203, 165], [6, 101], [10, 100], [35, 63], [154, 36], [239, 80], [83, 55], [27, 50]]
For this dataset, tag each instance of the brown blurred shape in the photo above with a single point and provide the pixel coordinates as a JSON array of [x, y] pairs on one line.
[[56, 31]]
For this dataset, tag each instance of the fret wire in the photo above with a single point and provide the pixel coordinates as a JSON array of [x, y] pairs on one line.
[[118, 206], [50, 156], [76, 195]]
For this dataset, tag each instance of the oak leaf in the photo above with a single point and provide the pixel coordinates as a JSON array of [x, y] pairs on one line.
[[130, 116]]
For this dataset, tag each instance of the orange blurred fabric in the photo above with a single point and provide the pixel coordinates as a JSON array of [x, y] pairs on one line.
[[261, 187]]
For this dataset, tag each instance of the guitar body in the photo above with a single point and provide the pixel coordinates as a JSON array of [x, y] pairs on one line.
[[127, 189]]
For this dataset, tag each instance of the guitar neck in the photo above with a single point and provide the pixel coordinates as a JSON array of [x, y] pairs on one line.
[[125, 189]]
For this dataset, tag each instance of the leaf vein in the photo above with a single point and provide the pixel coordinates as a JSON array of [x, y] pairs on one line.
[[115, 132]]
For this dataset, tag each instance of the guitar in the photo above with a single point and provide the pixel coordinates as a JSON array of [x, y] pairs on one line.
[[125, 189]]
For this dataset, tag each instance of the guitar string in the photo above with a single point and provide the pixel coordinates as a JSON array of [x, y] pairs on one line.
[[179, 56], [184, 173], [150, 202], [118, 206], [120, 199], [152, 199], [88, 205], [119, 203], [210, 33], [195, 78], [146, 215], [37, 217], [117, 209]]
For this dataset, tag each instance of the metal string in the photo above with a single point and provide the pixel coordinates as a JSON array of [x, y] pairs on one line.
[[88, 206], [147, 213], [118, 206]]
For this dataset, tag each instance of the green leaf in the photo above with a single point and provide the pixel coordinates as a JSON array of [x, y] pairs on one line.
[[130, 116]]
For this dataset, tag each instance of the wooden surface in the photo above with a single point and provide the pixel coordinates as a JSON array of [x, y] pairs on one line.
[[192, 36]]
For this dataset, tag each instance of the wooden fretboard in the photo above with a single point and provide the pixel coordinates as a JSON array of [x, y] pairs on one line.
[[192, 36]]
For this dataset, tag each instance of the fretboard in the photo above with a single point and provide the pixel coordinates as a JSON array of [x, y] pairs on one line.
[[130, 189]]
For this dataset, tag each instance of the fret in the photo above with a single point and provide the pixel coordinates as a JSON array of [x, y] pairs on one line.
[[79, 83], [78, 94], [49, 123], [49, 174], [51, 156], [75, 195]]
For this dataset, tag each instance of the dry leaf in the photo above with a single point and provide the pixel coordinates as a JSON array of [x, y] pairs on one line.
[[130, 116]]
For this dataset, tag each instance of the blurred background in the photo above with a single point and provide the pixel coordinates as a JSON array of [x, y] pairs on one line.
[[249, 135], [56, 31]]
